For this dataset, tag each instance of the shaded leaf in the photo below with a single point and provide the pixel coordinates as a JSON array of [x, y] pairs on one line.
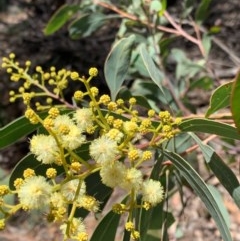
[[15, 130], [235, 101], [155, 74], [106, 229], [117, 63], [19, 128], [202, 10], [60, 17], [30, 161], [155, 6], [220, 169], [219, 199], [205, 83], [207, 43], [236, 196], [185, 66], [164, 7], [202, 190], [209, 126], [220, 98], [86, 24]]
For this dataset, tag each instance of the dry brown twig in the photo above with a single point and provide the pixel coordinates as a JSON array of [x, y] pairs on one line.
[[177, 30]]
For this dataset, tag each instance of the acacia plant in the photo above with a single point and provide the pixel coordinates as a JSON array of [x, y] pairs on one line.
[[82, 148]]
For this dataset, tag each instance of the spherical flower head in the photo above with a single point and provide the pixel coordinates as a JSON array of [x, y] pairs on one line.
[[103, 150], [74, 138], [130, 127], [78, 95], [83, 236], [18, 182], [94, 91], [48, 123], [76, 227], [178, 121], [27, 98], [51, 173], [31, 116], [129, 226], [134, 154], [44, 148], [146, 123], [56, 200], [112, 106], [110, 119], [119, 208], [2, 224], [132, 101], [113, 174], [166, 128], [104, 99], [34, 193], [69, 134], [120, 102], [54, 112], [165, 116], [89, 203], [69, 190], [93, 72], [29, 172], [151, 113], [132, 180], [62, 123], [74, 75], [117, 123], [135, 235], [115, 135], [152, 192], [75, 167], [147, 155], [83, 118], [4, 190]]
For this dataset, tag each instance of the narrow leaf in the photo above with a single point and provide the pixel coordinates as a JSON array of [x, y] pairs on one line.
[[220, 98], [60, 17], [86, 24], [219, 199], [221, 170], [202, 10], [209, 126], [15, 130], [117, 63], [207, 43], [106, 229], [202, 191], [155, 74], [235, 101], [30, 161], [19, 128], [236, 196]]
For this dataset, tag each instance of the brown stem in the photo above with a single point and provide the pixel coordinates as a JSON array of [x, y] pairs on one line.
[[135, 18], [184, 33]]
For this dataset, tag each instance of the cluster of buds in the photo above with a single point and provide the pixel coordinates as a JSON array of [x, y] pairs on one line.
[[110, 130]]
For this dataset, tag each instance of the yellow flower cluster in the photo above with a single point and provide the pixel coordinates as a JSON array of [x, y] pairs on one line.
[[81, 139]]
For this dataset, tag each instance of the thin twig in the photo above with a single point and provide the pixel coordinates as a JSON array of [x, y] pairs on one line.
[[135, 18], [184, 33]]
